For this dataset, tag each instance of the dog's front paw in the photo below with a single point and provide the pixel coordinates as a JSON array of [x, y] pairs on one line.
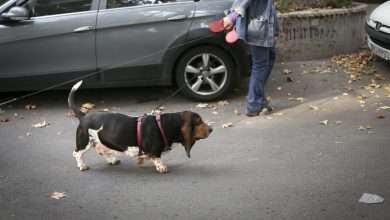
[[84, 168], [162, 169]]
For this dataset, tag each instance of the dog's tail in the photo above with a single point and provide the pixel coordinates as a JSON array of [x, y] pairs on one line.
[[71, 103]]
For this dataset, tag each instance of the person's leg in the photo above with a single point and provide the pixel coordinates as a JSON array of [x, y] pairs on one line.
[[260, 64], [272, 57]]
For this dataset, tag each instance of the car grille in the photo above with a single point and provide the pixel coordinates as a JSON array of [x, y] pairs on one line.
[[381, 43]]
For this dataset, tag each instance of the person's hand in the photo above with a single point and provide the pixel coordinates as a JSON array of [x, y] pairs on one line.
[[227, 23]]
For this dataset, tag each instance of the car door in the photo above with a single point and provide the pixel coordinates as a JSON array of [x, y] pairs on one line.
[[57, 43], [132, 37]]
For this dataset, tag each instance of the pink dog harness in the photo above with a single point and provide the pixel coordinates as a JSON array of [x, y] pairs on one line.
[[139, 131]]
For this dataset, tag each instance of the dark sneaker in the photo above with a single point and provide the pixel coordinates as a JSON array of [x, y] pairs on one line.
[[268, 109], [252, 114]]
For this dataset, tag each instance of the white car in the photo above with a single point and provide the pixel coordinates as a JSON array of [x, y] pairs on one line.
[[378, 30]]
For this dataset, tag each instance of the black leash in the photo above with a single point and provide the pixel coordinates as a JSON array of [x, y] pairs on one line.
[[102, 70]]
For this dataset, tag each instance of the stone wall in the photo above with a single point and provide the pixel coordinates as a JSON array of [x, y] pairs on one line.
[[321, 33]]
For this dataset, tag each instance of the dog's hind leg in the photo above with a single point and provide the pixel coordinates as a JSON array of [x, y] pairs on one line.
[[107, 154], [83, 144]]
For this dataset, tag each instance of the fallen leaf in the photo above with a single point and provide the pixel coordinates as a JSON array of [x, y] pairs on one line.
[[279, 88], [236, 112], [324, 122], [215, 113], [223, 103], [87, 107], [227, 125], [16, 115], [28, 134], [345, 94], [339, 122], [41, 124], [30, 107], [336, 98], [384, 107], [289, 79], [300, 99], [287, 72], [362, 128], [381, 117], [314, 108], [369, 198], [210, 123], [279, 114], [4, 120], [58, 195], [202, 105]]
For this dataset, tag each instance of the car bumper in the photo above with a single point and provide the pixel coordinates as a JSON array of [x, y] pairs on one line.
[[378, 42]]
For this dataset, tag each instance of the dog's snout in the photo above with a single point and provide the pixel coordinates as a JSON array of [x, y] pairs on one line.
[[210, 130]]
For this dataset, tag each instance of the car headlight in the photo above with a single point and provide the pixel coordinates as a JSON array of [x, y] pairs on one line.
[[371, 23]]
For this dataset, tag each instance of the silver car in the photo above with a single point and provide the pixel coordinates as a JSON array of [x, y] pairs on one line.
[[126, 42]]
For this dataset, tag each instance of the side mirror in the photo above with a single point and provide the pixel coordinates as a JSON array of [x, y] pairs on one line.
[[16, 14]]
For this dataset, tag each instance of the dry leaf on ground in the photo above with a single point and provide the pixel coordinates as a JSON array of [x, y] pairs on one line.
[[4, 120], [87, 107], [30, 107], [324, 122], [58, 195], [223, 103], [289, 79], [314, 108], [287, 72], [381, 117], [236, 112], [227, 125], [202, 105], [41, 124]]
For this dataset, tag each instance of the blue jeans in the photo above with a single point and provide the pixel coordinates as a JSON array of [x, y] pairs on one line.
[[263, 59]]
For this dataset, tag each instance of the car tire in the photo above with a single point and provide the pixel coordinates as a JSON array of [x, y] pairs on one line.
[[205, 73]]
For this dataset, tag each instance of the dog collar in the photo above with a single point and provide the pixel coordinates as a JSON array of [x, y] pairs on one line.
[[139, 131]]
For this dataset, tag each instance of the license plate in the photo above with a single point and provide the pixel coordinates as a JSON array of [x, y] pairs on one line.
[[381, 52]]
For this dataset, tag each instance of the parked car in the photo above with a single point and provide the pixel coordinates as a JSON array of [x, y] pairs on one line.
[[129, 42], [378, 29]]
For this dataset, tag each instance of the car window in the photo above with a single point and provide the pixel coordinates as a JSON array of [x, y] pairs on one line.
[[52, 7], [129, 3]]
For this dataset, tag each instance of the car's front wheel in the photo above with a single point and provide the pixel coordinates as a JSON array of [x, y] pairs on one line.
[[205, 73]]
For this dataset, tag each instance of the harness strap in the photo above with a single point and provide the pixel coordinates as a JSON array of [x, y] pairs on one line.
[[139, 132], [158, 119]]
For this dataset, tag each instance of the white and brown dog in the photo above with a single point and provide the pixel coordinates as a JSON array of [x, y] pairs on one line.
[[144, 138]]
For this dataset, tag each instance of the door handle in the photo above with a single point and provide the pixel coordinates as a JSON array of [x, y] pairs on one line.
[[177, 18], [82, 29]]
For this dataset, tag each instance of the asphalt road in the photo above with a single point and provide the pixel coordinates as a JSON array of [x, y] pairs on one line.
[[284, 166]]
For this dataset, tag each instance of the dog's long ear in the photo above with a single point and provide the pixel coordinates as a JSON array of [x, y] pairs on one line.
[[187, 130]]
